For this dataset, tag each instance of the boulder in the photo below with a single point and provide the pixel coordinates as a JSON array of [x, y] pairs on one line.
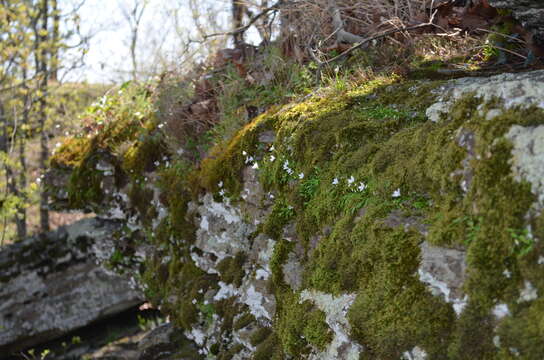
[[53, 284], [529, 12]]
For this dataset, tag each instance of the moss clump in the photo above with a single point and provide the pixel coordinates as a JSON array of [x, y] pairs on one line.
[[231, 269], [260, 335], [268, 349], [243, 321], [229, 354], [227, 160], [71, 153], [300, 325]]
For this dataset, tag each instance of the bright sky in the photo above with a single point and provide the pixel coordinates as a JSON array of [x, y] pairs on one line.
[[108, 57]]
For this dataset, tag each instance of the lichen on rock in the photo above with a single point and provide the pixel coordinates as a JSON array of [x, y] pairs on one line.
[[398, 218]]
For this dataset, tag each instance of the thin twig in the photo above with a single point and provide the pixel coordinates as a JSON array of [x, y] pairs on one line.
[[242, 29], [385, 34], [503, 35], [503, 49]]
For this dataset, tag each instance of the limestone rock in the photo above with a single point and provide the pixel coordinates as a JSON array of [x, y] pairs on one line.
[[513, 89], [52, 284], [444, 271], [529, 12], [528, 157]]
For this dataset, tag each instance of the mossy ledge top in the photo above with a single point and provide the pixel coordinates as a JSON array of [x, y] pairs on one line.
[[391, 219]]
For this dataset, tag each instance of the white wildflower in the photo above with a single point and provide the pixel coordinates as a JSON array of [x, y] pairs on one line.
[[220, 184], [335, 181], [194, 301], [285, 165], [255, 166], [351, 180], [507, 273], [244, 152], [156, 163], [272, 158], [222, 192], [362, 186], [160, 126], [301, 176], [271, 148], [396, 193]]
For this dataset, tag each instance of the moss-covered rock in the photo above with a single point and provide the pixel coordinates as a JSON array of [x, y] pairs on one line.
[[410, 212]]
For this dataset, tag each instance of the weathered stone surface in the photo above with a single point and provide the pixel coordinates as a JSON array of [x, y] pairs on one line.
[[521, 89], [443, 270], [529, 12], [528, 157], [52, 284], [335, 309]]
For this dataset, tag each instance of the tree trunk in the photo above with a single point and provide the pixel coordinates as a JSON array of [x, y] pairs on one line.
[[21, 210], [42, 112], [55, 43]]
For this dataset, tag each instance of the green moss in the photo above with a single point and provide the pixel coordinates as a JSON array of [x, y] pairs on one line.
[[231, 269], [243, 321], [259, 335], [300, 325], [229, 354], [269, 349]]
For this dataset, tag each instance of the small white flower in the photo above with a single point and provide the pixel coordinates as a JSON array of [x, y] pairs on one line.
[[396, 193], [205, 302], [285, 165], [244, 152], [194, 301], [271, 196], [222, 192], [290, 171], [301, 176], [351, 180], [507, 273], [255, 166], [57, 144], [160, 126], [272, 158], [138, 113], [271, 148], [156, 163], [220, 184], [362, 186], [335, 181]]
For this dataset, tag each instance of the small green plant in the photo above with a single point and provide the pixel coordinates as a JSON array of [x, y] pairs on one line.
[[472, 227], [207, 310], [308, 187], [523, 241]]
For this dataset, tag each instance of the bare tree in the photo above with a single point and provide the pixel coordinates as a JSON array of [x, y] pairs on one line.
[[133, 14]]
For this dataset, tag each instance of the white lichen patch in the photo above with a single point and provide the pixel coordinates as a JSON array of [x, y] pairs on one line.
[[256, 301], [500, 311], [221, 231], [513, 89], [415, 354], [528, 157], [335, 309], [225, 291], [528, 293]]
